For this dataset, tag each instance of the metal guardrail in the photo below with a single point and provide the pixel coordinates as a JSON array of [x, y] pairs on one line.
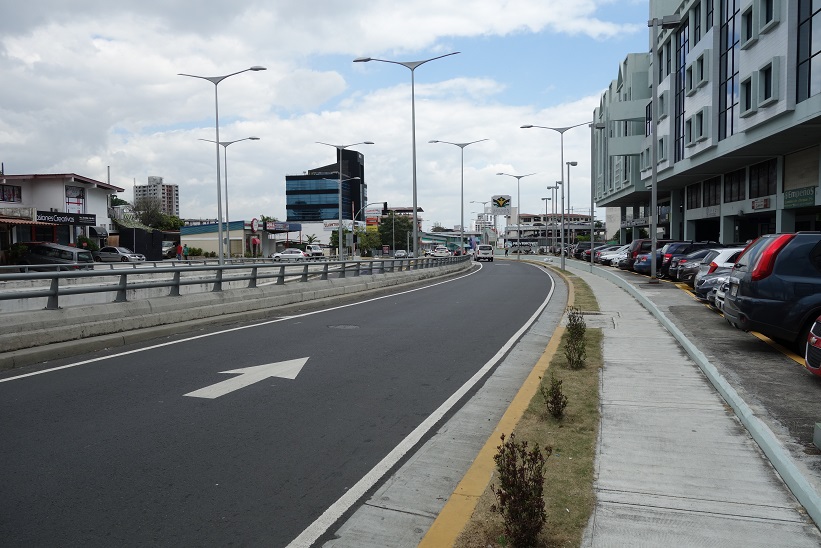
[[120, 278]]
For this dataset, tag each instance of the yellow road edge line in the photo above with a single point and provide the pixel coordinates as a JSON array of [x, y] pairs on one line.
[[456, 513]]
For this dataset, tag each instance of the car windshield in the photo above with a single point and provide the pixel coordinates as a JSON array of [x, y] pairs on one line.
[[124, 249], [84, 257]]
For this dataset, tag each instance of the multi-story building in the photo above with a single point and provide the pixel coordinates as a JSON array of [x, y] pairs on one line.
[[168, 195], [314, 196], [738, 106]]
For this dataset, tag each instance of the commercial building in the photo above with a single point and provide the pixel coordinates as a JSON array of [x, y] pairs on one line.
[[53, 208], [168, 196], [737, 115]]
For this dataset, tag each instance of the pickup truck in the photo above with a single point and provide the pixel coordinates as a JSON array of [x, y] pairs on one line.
[[314, 252]]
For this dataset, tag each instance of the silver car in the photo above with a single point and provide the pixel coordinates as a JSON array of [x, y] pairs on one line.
[[117, 254], [290, 254]]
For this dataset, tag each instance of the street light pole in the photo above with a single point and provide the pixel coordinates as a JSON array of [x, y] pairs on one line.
[[224, 145], [484, 212], [462, 193], [546, 201], [339, 149], [553, 189], [561, 131], [216, 80], [412, 66], [518, 211]]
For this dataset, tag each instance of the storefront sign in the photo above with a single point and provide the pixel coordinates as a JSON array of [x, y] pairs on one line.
[[500, 205], [712, 211], [58, 218], [799, 197], [760, 203]]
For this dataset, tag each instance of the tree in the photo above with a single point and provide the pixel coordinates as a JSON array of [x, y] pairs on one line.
[[311, 238], [367, 241], [148, 211], [394, 230], [117, 201]]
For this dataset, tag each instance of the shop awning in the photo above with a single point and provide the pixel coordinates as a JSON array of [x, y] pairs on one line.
[[20, 221], [100, 231]]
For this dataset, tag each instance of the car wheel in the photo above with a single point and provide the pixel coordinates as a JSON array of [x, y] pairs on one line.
[[124, 259], [800, 345], [98, 259], [277, 258]]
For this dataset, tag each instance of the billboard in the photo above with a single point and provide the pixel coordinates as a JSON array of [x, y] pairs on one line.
[[500, 205]]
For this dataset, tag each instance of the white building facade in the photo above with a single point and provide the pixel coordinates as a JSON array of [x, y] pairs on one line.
[[738, 107]]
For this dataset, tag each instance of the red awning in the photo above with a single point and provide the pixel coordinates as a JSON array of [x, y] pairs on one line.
[[19, 221]]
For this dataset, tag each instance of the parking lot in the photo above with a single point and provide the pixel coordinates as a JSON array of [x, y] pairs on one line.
[[769, 378]]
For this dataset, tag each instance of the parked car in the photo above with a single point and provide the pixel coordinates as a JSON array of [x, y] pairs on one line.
[[290, 254], [812, 356], [642, 245], [775, 287], [119, 254], [169, 250], [680, 266], [579, 249], [47, 256], [724, 258], [679, 249], [643, 264], [608, 257], [598, 251], [708, 284], [441, 251], [484, 252], [400, 254]]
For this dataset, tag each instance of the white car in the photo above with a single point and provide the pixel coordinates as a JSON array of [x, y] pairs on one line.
[[484, 252], [724, 259], [117, 254], [613, 256], [441, 251], [290, 254]]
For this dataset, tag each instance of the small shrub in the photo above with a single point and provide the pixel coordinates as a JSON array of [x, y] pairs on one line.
[[554, 398], [519, 496], [575, 348]]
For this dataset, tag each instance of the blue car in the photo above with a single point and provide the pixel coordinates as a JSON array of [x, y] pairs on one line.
[[643, 264]]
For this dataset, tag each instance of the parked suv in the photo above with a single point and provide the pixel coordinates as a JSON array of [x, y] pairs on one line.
[[61, 257], [642, 245], [775, 287], [675, 250]]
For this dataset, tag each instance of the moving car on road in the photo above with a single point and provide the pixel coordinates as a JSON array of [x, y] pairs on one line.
[[290, 254], [484, 252], [441, 251]]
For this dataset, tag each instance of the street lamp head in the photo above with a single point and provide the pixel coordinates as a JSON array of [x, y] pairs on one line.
[[434, 141], [526, 126], [367, 142], [257, 68], [574, 164], [361, 59], [253, 138]]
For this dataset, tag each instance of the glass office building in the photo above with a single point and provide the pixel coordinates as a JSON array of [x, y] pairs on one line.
[[314, 196]]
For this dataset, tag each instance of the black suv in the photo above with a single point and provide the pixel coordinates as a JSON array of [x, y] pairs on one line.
[[675, 250], [775, 287]]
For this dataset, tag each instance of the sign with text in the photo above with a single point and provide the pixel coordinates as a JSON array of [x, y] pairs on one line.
[[799, 197], [67, 218]]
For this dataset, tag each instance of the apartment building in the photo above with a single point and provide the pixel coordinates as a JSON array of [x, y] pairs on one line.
[[737, 113], [168, 195]]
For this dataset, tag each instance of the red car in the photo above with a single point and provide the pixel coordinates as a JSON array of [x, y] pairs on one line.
[[812, 358]]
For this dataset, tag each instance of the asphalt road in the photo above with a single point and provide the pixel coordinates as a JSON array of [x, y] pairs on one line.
[[119, 450]]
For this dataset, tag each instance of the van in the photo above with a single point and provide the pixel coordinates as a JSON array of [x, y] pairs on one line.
[[484, 252], [42, 255]]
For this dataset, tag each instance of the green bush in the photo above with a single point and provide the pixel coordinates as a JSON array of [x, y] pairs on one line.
[[575, 348], [554, 398], [519, 496]]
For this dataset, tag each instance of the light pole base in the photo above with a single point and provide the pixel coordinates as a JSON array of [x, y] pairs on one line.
[[653, 281]]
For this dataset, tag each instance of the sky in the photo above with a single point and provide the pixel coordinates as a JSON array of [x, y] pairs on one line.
[[92, 87]]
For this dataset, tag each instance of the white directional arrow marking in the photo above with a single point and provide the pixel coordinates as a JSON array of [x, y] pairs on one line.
[[249, 375]]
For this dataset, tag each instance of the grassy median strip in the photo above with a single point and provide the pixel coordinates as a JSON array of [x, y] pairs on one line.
[[569, 472]]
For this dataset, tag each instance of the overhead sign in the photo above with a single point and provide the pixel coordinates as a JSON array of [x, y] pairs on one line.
[[500, 205]]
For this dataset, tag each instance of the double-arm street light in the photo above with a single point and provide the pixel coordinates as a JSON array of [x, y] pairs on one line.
[[560, 131], [339, 149], [224, 145], [518, 211], [462, 193], [410, 65], [216, 80]]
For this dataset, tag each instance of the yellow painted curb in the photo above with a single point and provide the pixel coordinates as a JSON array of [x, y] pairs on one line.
[[460, 506]]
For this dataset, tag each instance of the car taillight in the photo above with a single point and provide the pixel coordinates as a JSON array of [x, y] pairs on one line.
[[681, 261], [667, 257], [764, 266], [713, 266]]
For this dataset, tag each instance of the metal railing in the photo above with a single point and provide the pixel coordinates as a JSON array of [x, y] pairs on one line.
[[122, 278]]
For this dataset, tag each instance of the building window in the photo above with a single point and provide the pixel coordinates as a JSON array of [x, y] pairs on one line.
[[728, 108], [763, 178], [749, 32], [694, 196], [663, 101], [768, 14], [11, 193], [747, 97], [695, 16], [768, 83], [708, 15], [712, 192], [734, 187], [682, 47], [701, 124], [648, 119], [809, 47], [662, 149]]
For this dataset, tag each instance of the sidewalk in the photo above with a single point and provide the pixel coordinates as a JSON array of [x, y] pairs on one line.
[[675, 466]]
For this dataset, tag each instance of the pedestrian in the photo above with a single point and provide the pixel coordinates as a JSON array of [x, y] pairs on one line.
[[506, 251], [185, 251], [179, 252]]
